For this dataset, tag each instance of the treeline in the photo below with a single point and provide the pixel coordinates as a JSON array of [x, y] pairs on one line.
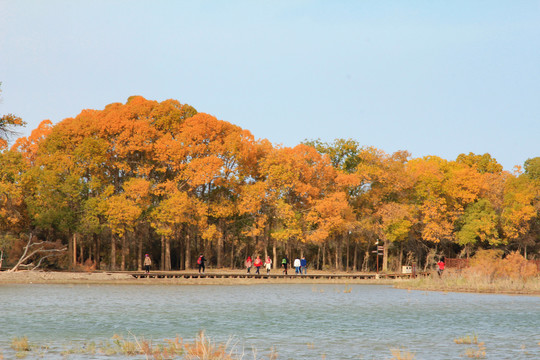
[[161, 178]]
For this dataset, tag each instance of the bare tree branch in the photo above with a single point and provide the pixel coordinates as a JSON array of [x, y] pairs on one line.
[[46, 257], [32, 249]]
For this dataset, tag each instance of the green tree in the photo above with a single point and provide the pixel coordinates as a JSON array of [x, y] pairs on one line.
[[532, 168], [479, 224]]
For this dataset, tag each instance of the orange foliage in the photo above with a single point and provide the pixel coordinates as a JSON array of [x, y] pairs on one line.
[[164, 164], [330, 215], [28, 147], [489, 263]]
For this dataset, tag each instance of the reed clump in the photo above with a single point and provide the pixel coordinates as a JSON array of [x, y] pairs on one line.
[[399, 354], [469, 339], [478, 352], [488, 272], [20, 344], [203, 348], [491, 265]]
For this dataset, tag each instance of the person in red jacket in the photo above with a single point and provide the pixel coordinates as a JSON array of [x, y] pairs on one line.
[[257, 263], [440, 266]]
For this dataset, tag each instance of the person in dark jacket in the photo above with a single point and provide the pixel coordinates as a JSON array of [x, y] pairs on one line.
[[200, 261], [285, 264]]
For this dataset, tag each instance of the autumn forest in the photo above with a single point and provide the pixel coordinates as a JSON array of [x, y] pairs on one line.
[[103, 188]]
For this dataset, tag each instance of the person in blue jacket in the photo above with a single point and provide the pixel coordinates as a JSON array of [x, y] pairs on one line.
[[303, 266]]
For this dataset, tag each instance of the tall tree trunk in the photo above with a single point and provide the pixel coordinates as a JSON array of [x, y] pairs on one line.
[[232, 255], [182, 254], [74, 250], [274, 254], [124, 252], [318, 257], [355, 259], [323, 255], [70, 252], [81, 253], [167, 253], [338, 254], [400, 256], [113, 252], [348, 251], [139, 253], [385, 256], [97, 253], [188, 251], [365, 262], [220, 251], [162, 260]]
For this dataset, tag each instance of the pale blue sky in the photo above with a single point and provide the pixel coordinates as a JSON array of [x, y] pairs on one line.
[[431, 77]]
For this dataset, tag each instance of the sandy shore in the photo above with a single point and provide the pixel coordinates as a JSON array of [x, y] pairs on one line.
[[125, 278], [65, 277], [29, 277]]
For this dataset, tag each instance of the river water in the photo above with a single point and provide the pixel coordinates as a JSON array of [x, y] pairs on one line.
[[298, 321]]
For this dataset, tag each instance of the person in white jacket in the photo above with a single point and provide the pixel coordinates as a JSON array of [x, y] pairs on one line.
[[297, 265]]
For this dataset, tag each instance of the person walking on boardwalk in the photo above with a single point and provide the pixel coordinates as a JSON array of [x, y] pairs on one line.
[[249, 263], [296, 266], [268, 265], [440, 266], [285, 264], [200, 261], [257, 263], [147, 263], [303, 266]]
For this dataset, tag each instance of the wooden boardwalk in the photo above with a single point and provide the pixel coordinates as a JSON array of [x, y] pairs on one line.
[[210, 275]]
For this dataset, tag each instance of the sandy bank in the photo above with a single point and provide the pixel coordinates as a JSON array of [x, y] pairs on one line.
[[64, 277], [29, 277]]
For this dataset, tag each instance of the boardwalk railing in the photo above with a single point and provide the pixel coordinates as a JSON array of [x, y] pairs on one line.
[[166, 275]]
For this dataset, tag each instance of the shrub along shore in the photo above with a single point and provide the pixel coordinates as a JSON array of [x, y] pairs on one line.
[[453, 281]]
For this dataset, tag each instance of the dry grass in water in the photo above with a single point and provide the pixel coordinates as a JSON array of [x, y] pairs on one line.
[[467, 339], [478, 352], [399, 354], [20, 344], [201, 349]]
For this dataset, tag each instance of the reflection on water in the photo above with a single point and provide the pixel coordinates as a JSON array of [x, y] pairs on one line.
[[298, 321]]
